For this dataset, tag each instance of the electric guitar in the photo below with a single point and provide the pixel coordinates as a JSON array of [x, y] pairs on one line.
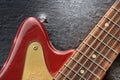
[[32, 56]]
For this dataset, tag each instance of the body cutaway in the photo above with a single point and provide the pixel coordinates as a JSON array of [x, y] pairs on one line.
[[32, 56]]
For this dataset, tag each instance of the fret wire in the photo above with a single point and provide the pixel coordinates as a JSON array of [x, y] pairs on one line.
[[73, 67], [96, 58], [103, 39], [74, 71], [110, 30], [64, 75], [118, 2], [82, 56], [91, 60], [76, 64], [110, 35], [97, 52], [89, 56], [107, 51], [85, 68], [114, 24], [105, 44], [115, 9], [101, 62], [113, 17], [113, 34], [112, 21], [114, 42]]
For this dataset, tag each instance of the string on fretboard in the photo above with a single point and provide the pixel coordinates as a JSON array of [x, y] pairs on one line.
[[97, 52]]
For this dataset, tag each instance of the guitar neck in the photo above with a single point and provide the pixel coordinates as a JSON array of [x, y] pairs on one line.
[[97, 52]]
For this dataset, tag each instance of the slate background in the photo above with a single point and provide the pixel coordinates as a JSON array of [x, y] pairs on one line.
[[69, 22]]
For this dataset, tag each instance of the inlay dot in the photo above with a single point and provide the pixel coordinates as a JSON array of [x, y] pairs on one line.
[[94, 56], [106, 24], [82, 71]]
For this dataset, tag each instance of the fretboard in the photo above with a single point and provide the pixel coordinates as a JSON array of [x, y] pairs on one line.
[[97, 52]]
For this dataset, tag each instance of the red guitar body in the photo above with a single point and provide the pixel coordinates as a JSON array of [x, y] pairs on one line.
[[32, 30]]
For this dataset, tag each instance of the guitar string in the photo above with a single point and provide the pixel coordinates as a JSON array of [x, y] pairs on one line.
[[73, 66], [92, 63], [108, 43], [109, 31], [114, 15]]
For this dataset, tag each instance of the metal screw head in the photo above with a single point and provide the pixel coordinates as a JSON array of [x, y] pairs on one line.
[[35, 47]]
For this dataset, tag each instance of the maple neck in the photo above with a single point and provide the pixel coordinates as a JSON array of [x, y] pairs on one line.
[[97, 52]]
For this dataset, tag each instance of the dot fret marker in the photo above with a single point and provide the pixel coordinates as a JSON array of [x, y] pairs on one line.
[[82, 71], [106, 24], [94, 56]]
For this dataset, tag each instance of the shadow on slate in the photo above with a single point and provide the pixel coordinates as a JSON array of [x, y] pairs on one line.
[[69, 22]]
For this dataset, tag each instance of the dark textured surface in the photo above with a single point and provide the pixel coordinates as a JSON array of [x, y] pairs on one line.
[[69, 22]]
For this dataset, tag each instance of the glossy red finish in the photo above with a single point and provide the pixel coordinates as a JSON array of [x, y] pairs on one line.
[[32, 30]]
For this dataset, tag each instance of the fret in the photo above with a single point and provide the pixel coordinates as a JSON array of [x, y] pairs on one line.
[[111, 41], [117, 4], [115, 9], [112, 21], [64, 75], [61, 76], [110, 54], [71, 66], [91, 60], [104, 44], [98, 52], [105, 37], [117, 40], [107, 61], [85, 68], [74, 71], [108, 33], [91, 55], [91, 64]]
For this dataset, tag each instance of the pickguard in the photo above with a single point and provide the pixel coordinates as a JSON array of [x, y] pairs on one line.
[[35, 67]]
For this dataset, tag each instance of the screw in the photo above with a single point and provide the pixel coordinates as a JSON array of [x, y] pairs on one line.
[[35, 47]]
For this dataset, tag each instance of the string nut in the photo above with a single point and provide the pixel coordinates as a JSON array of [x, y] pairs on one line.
[[106, 24], [82, 71], [94, 56]]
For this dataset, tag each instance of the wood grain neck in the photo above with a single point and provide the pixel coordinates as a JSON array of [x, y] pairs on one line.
[[98, 51]]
